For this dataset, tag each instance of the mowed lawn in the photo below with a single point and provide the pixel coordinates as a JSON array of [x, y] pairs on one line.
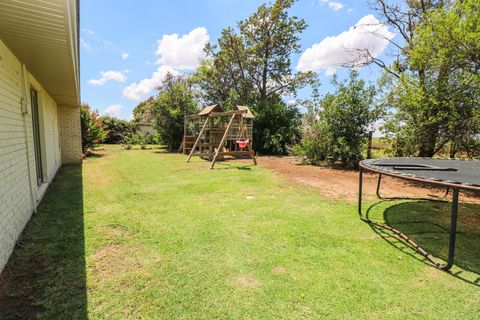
[[141, 234]]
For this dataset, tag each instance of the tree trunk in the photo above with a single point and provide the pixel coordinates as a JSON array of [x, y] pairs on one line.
[[427, 145]]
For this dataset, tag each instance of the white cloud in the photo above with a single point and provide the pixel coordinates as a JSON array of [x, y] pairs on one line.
[[125, 56], [343, 49], [113, 110], [330, 72], [138, 91], [106, 76], [182, 52], [335, 5], [87, 46], [292, 102]]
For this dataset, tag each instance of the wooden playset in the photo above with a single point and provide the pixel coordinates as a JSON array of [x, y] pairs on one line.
[[213, 134]]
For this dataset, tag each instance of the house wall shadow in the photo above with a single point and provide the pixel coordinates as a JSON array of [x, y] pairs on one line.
[[46, 273], [428, 224]]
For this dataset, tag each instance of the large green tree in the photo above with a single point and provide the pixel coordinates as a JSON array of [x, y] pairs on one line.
[[253, 62], [173, 102], [431, 92], [447, 44]]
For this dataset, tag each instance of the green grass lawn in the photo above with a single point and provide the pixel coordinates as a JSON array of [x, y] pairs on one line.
[[141, 234]]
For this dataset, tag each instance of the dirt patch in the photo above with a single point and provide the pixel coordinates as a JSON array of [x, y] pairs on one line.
[[115, 230], [341, 184], [278, 270], [247, 281], [113, 260], [429, 275]]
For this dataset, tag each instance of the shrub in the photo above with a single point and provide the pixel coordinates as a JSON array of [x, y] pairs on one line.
[[341, 128], [133, 139], [276, 126], [153, 138], [117, 129], [93, 132]]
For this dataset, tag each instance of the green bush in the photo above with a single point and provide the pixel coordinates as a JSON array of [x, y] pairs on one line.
[[117, 129], [132, 139], [342, 126], [152, 138], [312, 149], [276, 126]]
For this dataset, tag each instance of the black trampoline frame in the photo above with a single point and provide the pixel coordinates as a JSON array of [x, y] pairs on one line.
[[455, 187]]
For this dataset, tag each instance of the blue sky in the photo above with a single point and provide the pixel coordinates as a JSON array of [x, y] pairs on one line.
[[128, 46]]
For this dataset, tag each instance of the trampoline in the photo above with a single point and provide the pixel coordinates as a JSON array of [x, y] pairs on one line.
[[452, 174]]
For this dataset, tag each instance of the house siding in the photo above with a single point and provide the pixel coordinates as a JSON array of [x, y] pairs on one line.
[[19, 194]]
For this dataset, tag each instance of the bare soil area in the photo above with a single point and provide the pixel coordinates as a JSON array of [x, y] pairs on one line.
[[342, 184]]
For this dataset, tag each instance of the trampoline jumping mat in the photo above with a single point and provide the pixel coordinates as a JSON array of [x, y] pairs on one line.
[[464, 174]]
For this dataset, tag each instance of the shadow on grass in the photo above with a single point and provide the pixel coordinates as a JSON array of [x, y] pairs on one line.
[[45, 275], [96, 154], [229, 166], [428, 224]]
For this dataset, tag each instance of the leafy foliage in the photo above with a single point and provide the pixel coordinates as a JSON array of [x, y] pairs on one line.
[[277, 126], [434, 83], [143, 112], [253, 63], [174, 101], [341, 127], [117, 129], [93, 132]]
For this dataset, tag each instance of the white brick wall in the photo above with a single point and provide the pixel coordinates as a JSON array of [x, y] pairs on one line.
[[52, 140], [70, 134], [19, 193]]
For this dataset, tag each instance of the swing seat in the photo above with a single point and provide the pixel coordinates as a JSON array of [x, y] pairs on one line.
[[242, 143]]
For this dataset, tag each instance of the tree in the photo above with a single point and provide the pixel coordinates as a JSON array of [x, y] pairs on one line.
[[93, 132], [276, 127], [143, 112], [431, 91], [448, 43], [254, 63], [173, 102], [117, 129], [340, 129]]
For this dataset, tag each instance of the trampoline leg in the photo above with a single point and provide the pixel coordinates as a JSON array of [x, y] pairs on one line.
[[453, 230], [360, 192], [378, 185], [453, 225], [447, 191]]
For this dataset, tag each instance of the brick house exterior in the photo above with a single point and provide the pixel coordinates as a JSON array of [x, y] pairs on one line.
[[39, 106]]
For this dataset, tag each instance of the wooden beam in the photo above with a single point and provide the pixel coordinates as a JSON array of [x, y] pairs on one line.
[[197, 141], [222, 142], [224, 114], [193, 116]]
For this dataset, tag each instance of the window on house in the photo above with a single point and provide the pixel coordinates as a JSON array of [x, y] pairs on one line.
[[36, 136]]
